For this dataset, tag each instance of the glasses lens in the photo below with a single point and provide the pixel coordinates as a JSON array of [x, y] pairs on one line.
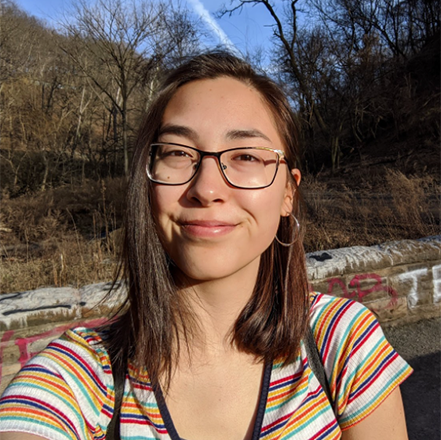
[[172, 164], [250, 167]]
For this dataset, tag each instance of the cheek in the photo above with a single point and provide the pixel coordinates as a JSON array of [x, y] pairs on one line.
[[158, 201], [164, 200], [266, 208]]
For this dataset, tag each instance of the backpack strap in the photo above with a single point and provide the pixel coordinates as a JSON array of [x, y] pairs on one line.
[[118, 362], [118, 384], [316, 363]]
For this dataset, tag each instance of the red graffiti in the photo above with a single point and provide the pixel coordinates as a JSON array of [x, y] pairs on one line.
[[358, 293]]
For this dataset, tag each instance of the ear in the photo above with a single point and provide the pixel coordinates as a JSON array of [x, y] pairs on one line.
[[290, 189]]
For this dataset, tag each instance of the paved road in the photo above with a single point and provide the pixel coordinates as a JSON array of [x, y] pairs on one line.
[[420, 345]]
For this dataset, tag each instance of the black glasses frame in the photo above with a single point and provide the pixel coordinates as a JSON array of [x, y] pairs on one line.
[[217, 155]]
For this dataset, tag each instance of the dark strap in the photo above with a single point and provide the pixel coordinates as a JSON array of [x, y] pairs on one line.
[[119, 375], [316, 363], [118, 362]]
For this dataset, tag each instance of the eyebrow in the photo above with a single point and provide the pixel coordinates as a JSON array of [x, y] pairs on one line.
[[179, 130], [245, 134]]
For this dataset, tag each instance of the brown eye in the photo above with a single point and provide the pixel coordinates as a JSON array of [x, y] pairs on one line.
[[246, 158]]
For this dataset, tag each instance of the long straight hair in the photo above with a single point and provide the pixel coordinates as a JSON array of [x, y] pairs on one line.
[[156, 317]]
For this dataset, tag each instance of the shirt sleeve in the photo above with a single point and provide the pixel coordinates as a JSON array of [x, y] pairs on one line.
[[361, 366], [63, 393]]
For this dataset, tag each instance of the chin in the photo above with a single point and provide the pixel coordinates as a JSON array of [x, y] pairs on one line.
[[204, 274], [216, 269]]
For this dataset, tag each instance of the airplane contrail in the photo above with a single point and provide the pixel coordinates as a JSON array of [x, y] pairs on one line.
[[201, 10]]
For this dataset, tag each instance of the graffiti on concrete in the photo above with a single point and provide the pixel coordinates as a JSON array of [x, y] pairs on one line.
[[355, 291], [414, 277], [436, 273], [414, 282]]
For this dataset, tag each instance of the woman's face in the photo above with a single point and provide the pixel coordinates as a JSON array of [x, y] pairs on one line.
[[210, 229]]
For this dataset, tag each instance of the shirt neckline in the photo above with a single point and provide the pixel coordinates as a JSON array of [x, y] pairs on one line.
[[168, 421]]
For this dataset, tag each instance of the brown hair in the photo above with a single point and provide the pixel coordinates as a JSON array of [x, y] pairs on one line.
[[273, 322]]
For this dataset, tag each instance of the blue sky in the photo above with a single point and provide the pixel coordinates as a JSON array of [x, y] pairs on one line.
[[247, 31]]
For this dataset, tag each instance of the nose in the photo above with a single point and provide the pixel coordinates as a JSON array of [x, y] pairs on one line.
[[208, 185]]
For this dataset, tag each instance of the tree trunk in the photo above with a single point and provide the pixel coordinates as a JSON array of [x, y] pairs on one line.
[[125, 136], [46, 172]]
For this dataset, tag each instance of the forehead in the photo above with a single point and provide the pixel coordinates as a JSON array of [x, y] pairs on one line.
[[221, 101]]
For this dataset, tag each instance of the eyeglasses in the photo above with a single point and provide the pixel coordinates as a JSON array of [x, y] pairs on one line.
[[246, 168]]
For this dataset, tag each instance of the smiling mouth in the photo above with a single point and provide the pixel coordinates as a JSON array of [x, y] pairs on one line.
[[206, 228]]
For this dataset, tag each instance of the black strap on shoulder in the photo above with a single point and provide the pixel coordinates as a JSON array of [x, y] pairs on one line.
[[316, 363], [118, 361], [118, 383]]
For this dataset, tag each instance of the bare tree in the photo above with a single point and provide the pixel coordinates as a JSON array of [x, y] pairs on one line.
[[120, 45], [400, 27], [286, 32], [341, 60], [371, 45]]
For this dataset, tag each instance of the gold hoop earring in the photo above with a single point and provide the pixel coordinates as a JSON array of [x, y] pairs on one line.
[[296, 234]]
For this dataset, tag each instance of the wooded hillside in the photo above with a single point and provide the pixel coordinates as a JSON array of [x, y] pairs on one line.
[[72, 97], [362, 75]]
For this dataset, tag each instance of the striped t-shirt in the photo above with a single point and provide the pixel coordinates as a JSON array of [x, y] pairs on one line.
[[66, 391]]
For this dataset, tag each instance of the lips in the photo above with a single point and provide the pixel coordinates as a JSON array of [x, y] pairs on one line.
[[206, 228]]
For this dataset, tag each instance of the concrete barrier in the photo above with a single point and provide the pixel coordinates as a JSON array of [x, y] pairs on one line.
[[399, 281]]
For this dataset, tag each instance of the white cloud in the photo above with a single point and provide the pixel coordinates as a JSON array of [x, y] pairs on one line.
[[201, 10]]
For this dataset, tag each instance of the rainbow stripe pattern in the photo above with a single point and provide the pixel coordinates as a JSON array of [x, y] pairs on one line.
[[66, 392]]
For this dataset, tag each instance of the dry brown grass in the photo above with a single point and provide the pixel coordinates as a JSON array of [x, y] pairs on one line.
[[63, 236], [395, 208], [70, 261]]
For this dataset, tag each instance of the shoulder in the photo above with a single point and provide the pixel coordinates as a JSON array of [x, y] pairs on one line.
[[337, 320], [86, 340], [361, 366], [79, 347], [346, 332], [67, 384], [78, 357], [334, 307]]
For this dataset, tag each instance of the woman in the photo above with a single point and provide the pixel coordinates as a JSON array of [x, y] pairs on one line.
[[211, 337]]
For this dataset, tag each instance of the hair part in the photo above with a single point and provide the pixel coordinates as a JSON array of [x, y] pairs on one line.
[[157, 317]]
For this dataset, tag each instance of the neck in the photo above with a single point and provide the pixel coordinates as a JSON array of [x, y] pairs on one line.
[[218, 303]]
